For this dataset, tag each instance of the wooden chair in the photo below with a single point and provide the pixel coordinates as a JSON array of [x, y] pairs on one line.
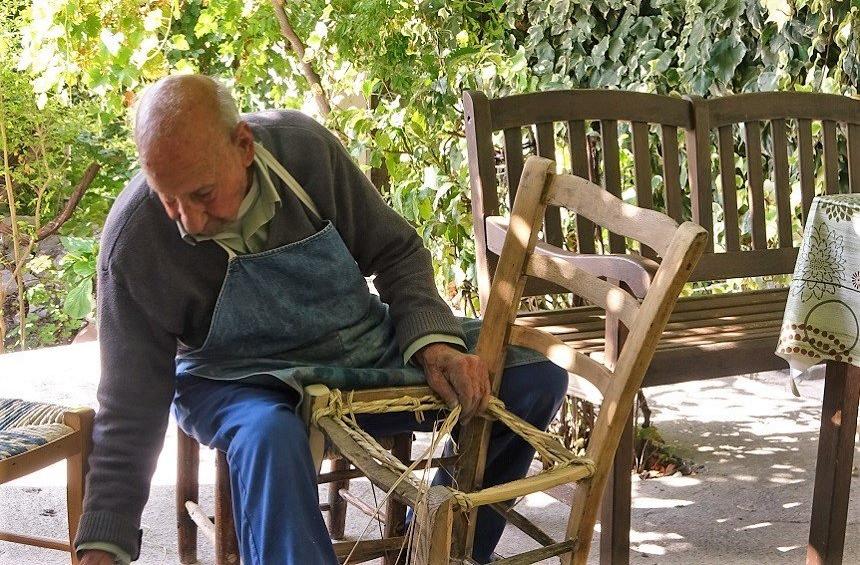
[[34, 435], [446, 517], [708, 335], [220, 529]]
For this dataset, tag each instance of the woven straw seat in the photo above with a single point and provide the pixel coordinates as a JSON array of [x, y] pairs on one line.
[[24, 425]]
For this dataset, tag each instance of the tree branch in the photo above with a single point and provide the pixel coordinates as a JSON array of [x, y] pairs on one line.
[[295, 41], [51, 227]]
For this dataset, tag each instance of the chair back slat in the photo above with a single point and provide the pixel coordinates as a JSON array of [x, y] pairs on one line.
[[597, 291], [545, 135], [779, 155], [562, 355], [854, 157], [728, 184], [755, 178], [601, 207], [642, 172], [672, 172], [611, 173], [831, 158], [513, 161], [806, 164]]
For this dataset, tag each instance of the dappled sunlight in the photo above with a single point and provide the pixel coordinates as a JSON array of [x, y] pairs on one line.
[[649, 502]]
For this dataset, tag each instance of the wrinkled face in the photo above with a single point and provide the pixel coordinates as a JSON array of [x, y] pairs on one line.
[[201, 179]]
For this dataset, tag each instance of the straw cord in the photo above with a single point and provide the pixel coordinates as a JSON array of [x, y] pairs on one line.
[[342, 412]]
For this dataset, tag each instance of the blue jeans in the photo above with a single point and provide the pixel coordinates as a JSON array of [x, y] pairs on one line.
[[272, 478]]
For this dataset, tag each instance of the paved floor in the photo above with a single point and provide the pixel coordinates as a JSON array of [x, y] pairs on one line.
[[749, 505]]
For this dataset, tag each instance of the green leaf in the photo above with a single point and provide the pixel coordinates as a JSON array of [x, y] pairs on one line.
[[725, 57], [79, 301]]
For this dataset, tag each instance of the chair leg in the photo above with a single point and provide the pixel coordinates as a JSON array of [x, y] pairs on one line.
[[395, 511], [76, 470], [337, 504], [187, 490], [435, 517], [226, 542]]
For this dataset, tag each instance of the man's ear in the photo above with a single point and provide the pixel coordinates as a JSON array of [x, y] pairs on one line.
[[243, 137]]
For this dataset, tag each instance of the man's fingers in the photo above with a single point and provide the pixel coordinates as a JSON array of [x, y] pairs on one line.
[[442, 387]]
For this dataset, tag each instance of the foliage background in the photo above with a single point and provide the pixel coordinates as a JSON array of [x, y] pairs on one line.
[[394, 71]]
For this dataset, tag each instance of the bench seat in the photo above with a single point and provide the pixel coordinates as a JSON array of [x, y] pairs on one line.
[[723, 335]]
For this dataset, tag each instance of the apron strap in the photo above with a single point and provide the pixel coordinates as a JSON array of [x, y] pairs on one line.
[[288, 179]]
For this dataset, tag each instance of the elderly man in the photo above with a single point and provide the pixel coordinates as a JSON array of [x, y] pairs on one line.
[[232, 273]]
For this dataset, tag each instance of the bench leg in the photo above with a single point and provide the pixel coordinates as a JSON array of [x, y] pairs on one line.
[[187, 489], [615, 508], [833, 465], [226, 543]]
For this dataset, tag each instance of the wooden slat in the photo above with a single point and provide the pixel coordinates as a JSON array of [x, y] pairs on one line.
[[854, 157], [588, 104], [36, 541], [611, 174], [781, 182], [805, 162], [579, 167], [513, 161], [365, 550], [831, 158], [611, 298], [755, 177], [586, 198], [642, 168], [540, 554], [729, 186], [482, 180], [529, 485], [672, 172], [552, 218], [761, 106], [523, 524], [562, 355], [699, 166], [740, 264]]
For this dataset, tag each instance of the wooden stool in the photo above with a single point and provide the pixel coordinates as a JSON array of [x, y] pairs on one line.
[[220, 529]]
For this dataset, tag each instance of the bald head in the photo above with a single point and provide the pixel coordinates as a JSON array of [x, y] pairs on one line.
[[194, 150], [184, 110]]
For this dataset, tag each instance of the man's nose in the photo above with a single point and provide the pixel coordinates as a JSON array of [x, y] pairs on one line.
[[192, 216]]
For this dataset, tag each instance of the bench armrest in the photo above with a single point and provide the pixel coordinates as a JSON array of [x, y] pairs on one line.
[[633, 270]]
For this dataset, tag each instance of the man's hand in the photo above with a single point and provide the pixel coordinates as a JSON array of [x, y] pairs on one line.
[[97, 557], [459, 378]]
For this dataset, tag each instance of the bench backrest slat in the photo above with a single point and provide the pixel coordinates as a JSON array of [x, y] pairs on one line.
[[854, 157], [781, 180], [579, 166]]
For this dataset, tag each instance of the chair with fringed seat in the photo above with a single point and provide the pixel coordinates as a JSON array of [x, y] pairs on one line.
[[34, 435]]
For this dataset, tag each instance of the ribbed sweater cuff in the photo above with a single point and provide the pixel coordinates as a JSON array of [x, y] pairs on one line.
[[424, 322], [112, 528]]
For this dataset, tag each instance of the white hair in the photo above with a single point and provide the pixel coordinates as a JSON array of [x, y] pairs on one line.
[[160, 106]]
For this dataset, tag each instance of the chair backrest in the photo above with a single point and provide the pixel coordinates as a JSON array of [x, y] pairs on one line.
[[580, 130], [679, 247]]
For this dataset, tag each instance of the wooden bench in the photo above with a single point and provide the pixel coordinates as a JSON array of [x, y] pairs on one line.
[[708, 335]]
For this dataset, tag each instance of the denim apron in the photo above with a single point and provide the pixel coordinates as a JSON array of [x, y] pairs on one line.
[[302, 313]]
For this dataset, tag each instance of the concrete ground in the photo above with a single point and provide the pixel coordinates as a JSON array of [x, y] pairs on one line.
[[750, 503]]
